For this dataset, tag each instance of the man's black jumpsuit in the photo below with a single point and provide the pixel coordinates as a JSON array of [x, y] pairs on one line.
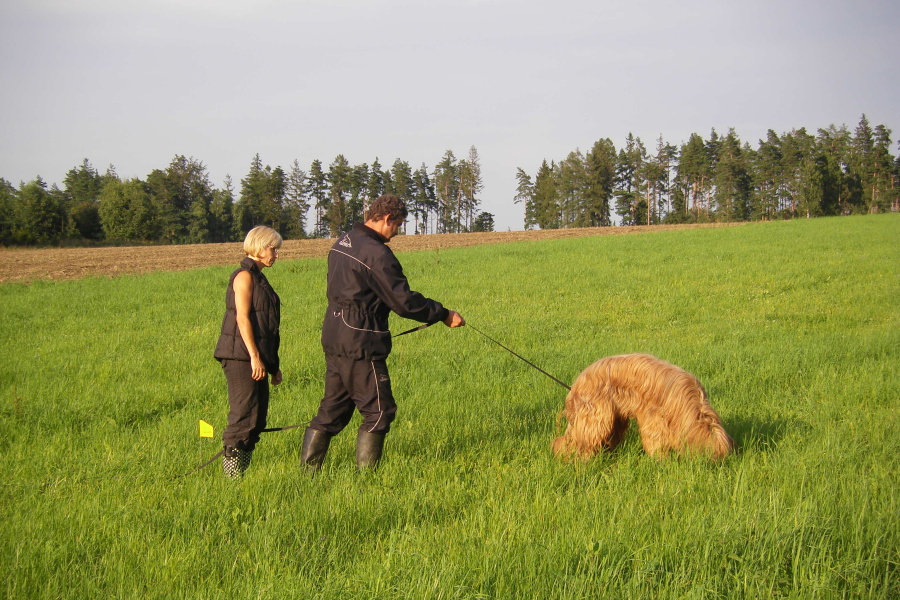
[[365, 283]]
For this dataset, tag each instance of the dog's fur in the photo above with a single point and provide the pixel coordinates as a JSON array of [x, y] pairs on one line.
[[669, 404]]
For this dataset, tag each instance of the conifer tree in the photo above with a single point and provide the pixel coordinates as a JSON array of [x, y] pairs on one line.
[[296, 202], [375, 186], [446, 187], [7, 211], [470, 185], [546, 198], [731, 180], [570, 186], [318, 193], [221, 214], [424, 200], [600, 181], [525, 195], [82, 194]]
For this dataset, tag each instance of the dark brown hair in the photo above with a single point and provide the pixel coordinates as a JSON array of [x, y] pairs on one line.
[[388, 204]]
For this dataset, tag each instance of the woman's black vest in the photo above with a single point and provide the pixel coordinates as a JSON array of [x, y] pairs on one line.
[[265, 316]]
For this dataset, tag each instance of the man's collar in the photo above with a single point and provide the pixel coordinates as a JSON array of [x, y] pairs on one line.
[[371, 233]]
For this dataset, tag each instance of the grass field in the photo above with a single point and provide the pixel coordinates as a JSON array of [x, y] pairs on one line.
[[793, 327]]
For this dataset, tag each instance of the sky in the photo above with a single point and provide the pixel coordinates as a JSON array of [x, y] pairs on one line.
[[134, 83]]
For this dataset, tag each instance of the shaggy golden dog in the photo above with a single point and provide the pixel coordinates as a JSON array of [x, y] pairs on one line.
[[669, 404]]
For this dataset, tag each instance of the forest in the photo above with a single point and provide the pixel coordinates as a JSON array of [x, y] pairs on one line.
[[179, 205], [793, 175]]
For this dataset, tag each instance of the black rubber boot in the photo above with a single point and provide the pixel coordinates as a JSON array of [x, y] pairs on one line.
[[235, 461], [368, 449], [315, 447]]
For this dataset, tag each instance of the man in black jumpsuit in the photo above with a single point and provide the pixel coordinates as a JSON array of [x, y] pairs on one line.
[[365, 283]]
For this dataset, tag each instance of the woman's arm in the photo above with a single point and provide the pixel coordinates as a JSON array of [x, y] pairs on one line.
[[243, 300]]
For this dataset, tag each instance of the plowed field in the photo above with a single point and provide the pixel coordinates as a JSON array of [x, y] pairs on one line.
[[31, 264]]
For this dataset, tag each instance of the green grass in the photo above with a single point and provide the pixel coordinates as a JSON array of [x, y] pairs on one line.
[[793, 327]]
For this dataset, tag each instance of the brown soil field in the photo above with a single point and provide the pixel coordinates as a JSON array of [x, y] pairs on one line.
[[32, 264]]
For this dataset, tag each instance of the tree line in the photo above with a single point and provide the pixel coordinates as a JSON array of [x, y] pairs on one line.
[[179, 205], [793, 175]]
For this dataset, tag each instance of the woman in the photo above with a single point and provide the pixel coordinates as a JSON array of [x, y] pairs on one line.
[[248, 348]]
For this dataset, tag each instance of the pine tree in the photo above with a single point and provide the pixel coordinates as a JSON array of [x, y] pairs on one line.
[[547, 209], [7, 211], [424, 199], [693, 173], [483, 222], [358, 203], [221, 214], [600, 181], [834, 143], [863, 167], [318, 193], [732, 180], [767, 172], [181, 196], [446, 187], [883, 189], [470, 185], [525, 195], [570, 186], [402, 181], [631, 203], [296, 200], [375, 187], [338, 216], [82, 193]]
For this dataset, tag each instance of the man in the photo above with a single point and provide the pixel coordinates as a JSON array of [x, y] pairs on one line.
[[365, 283]]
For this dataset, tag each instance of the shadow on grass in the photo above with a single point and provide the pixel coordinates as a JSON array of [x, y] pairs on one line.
[[762, 435]]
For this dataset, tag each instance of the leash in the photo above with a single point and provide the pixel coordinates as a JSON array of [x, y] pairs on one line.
[[528, 362], [414, 329], [273, 429], [222, 451], [206, 464]]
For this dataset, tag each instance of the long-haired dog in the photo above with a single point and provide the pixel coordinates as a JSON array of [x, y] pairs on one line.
[[668, 403]]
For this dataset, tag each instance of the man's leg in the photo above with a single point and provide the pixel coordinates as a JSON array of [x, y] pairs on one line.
[[336, 407], [374, 398], [335, 411]]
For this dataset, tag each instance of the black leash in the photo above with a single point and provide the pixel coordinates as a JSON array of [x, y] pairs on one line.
[[272, 429], [206, 464], [528, 362], [222, 451], [414, 329]]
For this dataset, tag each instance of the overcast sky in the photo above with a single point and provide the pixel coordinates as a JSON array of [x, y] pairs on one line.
[[134, 83]]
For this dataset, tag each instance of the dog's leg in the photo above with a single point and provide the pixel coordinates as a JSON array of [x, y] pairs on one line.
[[619, 429]]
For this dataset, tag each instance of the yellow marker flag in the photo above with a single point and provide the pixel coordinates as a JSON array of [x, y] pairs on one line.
[[206, 430]]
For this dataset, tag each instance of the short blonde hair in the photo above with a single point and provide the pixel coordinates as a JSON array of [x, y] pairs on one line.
[[259, 238]]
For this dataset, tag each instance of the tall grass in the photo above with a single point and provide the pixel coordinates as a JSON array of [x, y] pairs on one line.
[[793, 328]]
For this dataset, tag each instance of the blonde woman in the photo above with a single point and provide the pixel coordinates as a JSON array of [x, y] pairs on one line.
[[248, 348]]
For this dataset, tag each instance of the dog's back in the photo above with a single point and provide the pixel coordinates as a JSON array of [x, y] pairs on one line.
[[669, 404]]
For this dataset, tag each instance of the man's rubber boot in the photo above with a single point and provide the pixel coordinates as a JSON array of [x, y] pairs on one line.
[[315, 447], [235, 461], [368, 449]]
